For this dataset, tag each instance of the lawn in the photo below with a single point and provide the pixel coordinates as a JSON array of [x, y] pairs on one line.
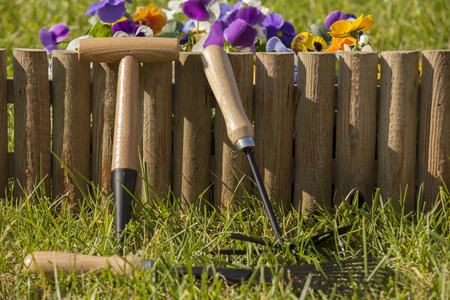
[[413, 248]]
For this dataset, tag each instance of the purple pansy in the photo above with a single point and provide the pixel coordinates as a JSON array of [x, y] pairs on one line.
[[108, 11], [225, 8], [275, 44], [129, 28], [56, 34], [335, 16], [251, 15], [197, 9], [275, 26], [237, 34]]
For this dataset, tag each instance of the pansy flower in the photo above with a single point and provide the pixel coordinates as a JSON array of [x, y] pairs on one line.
[[275, 44], [344, 28], [155, 18], [252, 16], [335, 16], [275, 26], [339, 44], [197, 9], [237, 34], [319, 44], [108, 11], [303, 42], [49, 38], [129, 28]]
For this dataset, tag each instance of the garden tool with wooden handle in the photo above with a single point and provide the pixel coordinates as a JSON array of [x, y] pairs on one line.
[[130, 52], [340, 276], [240, 131]]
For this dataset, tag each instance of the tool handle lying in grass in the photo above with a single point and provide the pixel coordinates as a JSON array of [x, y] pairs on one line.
[[335, 275], [130, 52], [240, 131]]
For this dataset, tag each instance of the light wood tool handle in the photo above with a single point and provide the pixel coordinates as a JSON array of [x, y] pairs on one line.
[[220, 75], [46, 261], [145, 49], [126, 127]]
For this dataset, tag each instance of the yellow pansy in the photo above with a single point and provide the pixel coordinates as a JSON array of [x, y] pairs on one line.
[[344, 28], [319, 43], [303, 42]]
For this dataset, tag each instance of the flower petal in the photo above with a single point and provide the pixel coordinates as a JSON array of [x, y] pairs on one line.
[[275, 44], [92, 10], [240, 34], [366, 23], [252, 15], [61, 31], [332, 18], [195, 10], [47, 39], [215, 36], [225, 8], [128, 26], [274, 19], [288, 31], [111, 13], [144, 30], [340, 28]]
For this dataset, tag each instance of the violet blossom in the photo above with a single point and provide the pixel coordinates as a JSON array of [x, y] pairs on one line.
[[197, 9], [49, 38], [252, 16], [275, 26], [129, 28], [237, 34], [108, 11], [335, 16]]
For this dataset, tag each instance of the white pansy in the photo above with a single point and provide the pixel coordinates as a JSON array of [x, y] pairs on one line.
[[75, 43]]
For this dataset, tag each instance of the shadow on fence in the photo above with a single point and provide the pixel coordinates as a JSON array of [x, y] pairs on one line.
[[312, 138]]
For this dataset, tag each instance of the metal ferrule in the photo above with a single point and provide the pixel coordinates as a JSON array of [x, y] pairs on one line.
[[245, 142]]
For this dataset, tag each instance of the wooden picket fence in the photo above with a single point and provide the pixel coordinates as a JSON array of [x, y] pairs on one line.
[[312, 138]]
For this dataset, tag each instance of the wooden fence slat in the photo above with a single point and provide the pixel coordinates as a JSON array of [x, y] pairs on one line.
[[156, 127], [398, 125], [32, 160], [192, 130], [356, 124], [232, 170], [3, 124], [71, 137], [314, 130], [104, 93], [434, 136], [274, 123]]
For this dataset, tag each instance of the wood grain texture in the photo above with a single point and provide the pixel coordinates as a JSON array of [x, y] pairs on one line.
[[103, 115], [314, 131], [434, 136], [156, 126], [192, 130], [398, 126], [32, 160], [274, 123], [3, 124], [219, 72], [112, 50], [47, 261], [71, 136], [356, 124], [232, 171], [126, 126]]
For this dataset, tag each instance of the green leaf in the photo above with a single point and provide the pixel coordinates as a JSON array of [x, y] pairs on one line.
[[318, 29], [172, 26], [100, 30]]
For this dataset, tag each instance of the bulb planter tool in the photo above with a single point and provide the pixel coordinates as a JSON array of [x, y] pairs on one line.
[[240, 131], [130, 52], [339, 276]]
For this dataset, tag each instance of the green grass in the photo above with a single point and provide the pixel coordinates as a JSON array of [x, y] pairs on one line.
[[415, 246]]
